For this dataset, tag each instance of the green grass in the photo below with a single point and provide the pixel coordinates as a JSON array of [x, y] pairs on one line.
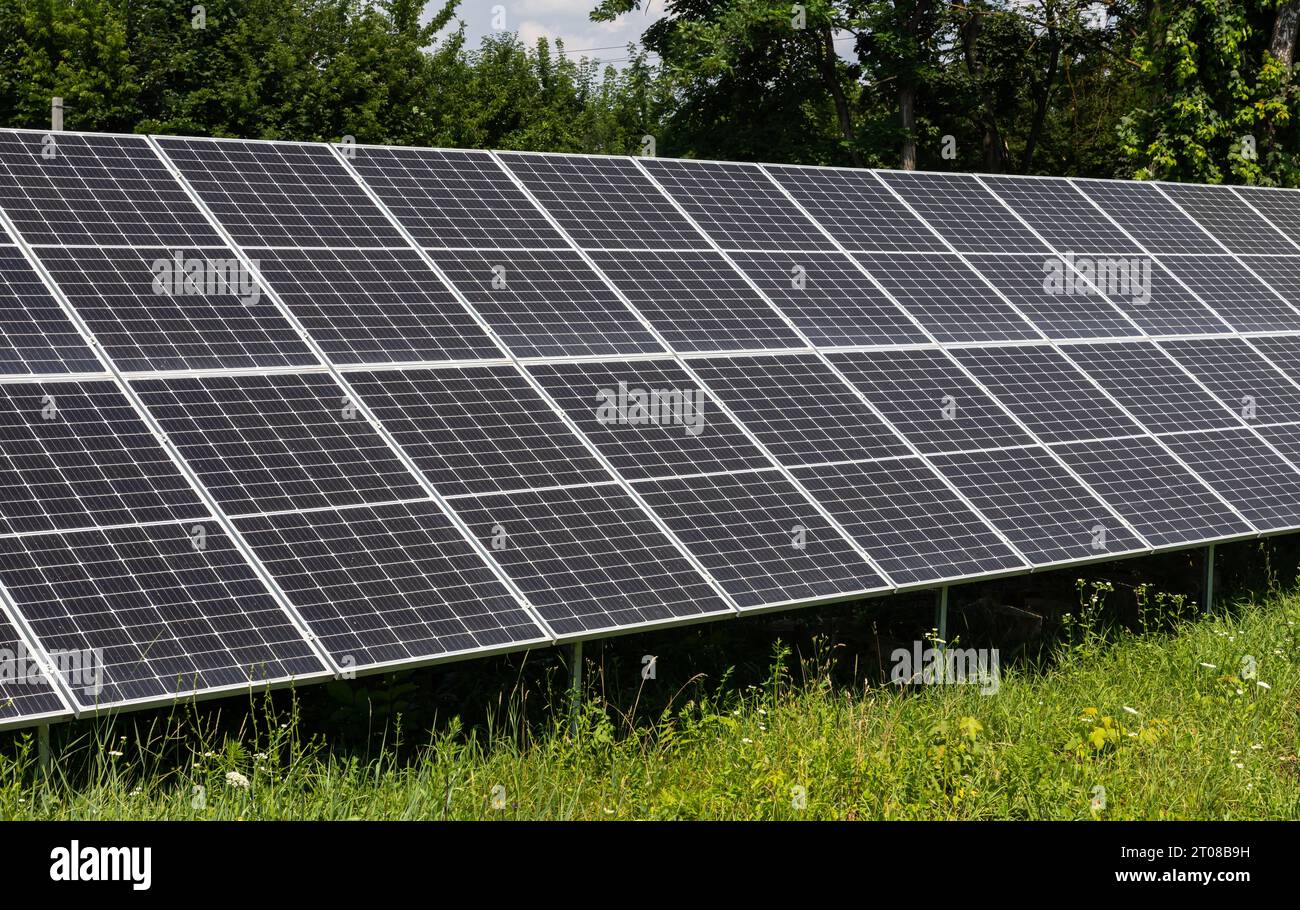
[[1143, 716]]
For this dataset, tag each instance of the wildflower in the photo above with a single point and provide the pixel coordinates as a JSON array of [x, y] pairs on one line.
[[1132, 711], [237, 780], [115, 754], [1238, 765], [1262, 685], [747, 741], [1257, 746], [1209, 666]]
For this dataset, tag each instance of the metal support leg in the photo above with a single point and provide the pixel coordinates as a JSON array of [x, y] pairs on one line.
[[575, 687], [43, 750], [941, 614], [1209, 579]]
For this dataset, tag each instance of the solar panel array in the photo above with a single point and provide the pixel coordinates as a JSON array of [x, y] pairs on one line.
[[279, 411]]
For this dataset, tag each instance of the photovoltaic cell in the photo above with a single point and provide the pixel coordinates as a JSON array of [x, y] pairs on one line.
[[35, 335], [1282, 351], [1164, 307], [454, 198], [760, 538], [1280, 206], [799, 409], [149, 311], [1242, 380], [829, 298], [947, 297], [1234, 293], [26, 693], [281, 193], [388, 584], [1048, 393], [737, 205], [697, 301], [1054, 297], [1038, 505], [1147, 215], [589, 559], [915, 528], [858, 212], [1230, 220], [77, 455], [1148, 486], [650, 419], [1062, 217], [167, 610], [68, 189], [1286, 439], [965, 213], [276, 443], [1263, 486], [930, 401], [477, 429], [374, 306], [1152, 387], [1281, 273], [604, 202], [546, 303]]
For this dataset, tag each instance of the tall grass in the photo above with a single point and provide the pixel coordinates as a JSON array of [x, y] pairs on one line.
[[1146, 725]]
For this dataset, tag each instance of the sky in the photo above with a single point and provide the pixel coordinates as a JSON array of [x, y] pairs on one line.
[[566, 19]]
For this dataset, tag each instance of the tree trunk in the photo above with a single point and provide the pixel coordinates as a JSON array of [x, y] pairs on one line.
[[994, 157], [1041, 100], [1282, 45], [831, 76], [907, 113]]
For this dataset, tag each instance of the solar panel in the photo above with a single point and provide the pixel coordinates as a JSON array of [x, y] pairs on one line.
[[1227, 218], [35, 334], [1038, 505], [1234, 293], [76, 189], [697, 301], [947, 297], [25, 694], [760, 538], [1242, 380], [276, 443], [1056, 211], [604, 203], [546, 303], [388, 584], [1286, 439], [1050, 395], [1054, 297], [913, 526], [799, 409], [857, 211], [173, 309], [280, 193], [737, 205], [1280, 206], [650, 419], [477, 429], [829, 298], [1281, 273], [1152, 490], [374, 306], [1152, 387], [1262, 485], [159, 611], [965, 213], [589, 559], [454, 198], [77, 455], [927, 398], [1148, 216]]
